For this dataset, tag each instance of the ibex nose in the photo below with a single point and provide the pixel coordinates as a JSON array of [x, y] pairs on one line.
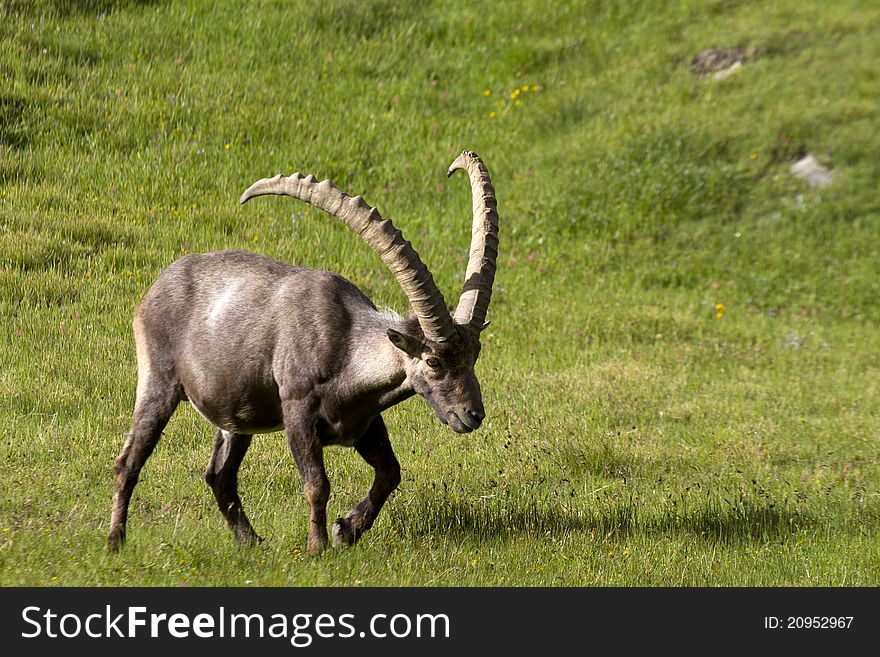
[[477, 416]]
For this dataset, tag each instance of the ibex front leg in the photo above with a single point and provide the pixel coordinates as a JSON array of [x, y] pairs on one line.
[[375, 448], [222, 477], [309, 456]]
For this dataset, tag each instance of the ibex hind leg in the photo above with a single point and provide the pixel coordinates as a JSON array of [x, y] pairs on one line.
[[222, 477], [157, 400], [375, 448]]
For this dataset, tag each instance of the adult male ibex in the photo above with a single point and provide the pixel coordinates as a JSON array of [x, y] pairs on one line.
[[257, 346]]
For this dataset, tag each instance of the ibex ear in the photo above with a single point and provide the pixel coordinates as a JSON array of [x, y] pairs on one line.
[[406, 343]]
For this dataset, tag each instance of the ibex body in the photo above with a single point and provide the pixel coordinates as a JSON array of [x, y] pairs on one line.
[[258, 346]]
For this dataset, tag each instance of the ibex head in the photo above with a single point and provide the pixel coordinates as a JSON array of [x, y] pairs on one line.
[[443, 373], [440, 349]]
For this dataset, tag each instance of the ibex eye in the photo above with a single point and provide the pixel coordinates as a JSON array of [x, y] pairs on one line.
[[433, 362]]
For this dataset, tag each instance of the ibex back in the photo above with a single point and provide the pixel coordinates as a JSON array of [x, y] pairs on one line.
[[257, 346]]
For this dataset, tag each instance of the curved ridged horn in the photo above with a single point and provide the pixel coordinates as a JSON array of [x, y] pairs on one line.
[[397, 254], [480, 274]]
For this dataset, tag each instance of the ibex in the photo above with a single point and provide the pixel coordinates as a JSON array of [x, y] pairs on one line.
[[258, 346]]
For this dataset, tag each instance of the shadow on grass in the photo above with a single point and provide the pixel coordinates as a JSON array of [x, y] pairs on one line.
[[13, 125], [744, 522], [599, 461]]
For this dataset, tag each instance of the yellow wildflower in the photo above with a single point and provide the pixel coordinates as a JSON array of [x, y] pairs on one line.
[[720, 309], [487, 92]]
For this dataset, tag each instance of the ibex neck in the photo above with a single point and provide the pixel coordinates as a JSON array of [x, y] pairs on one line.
[[376, 367]]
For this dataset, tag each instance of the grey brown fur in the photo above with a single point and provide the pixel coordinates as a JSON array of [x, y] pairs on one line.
[[257, 346]]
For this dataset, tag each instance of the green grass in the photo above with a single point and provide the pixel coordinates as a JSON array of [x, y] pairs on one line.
[[634, 438]]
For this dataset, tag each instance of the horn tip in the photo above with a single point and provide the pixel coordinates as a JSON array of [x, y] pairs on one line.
[[461, 161], [258, 188], [249, 193]]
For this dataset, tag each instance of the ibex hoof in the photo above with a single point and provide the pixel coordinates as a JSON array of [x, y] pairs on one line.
[[343, 533], [115, 541], [248, 538]]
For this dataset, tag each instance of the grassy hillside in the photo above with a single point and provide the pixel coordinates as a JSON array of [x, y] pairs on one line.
[[682, 371]]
